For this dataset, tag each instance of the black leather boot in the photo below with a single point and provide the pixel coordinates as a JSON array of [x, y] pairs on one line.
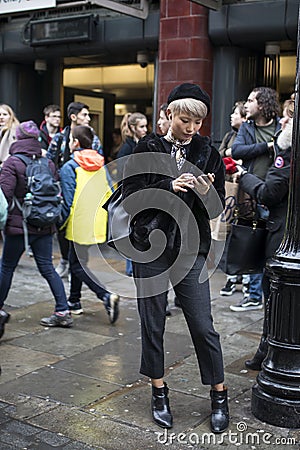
[[161, 412], [219, 419], [261, 353], [4, 318]]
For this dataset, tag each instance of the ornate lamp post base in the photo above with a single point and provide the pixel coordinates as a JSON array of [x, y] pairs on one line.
[[275, 411], [276, 396]]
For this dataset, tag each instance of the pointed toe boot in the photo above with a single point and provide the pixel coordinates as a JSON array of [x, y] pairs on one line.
[[219, 419], [161, 412], [256, 362]]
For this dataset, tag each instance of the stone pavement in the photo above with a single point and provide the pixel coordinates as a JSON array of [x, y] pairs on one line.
[[80, 388]]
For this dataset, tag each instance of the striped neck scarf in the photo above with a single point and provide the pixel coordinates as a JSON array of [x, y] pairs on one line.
[[178, 150]]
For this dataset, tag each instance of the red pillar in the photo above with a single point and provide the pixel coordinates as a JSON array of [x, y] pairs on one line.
[[185, 52]]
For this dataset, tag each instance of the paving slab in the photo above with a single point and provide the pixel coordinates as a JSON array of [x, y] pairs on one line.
[[80, 388], [100, 432], [18, 361], [124, 406], [61, 342], [59, 385], [118, 361]]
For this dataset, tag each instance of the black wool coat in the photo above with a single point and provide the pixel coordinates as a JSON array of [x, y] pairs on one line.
[[184, 217], [273, 193]]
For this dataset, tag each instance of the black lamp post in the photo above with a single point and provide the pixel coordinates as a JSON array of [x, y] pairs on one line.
[[276, 395]]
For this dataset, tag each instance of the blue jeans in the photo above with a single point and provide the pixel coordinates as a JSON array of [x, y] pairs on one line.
[[255, 288], [80, 273], [41, 246], [128, 267]]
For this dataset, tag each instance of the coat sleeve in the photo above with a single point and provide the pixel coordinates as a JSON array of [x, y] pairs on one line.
[[244, 148], [96, 145], [271, 191], [214, 201], [52, 149], [142, 171], [68, 186], [8, 179]]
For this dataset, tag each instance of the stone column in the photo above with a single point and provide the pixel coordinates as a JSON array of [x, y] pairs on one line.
[[185, 52]]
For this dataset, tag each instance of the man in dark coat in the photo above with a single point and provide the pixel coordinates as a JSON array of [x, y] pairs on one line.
[[273, 194], [50, 125], [254, 144]]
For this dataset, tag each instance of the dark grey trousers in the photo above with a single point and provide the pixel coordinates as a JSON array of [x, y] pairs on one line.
[[152, 283]]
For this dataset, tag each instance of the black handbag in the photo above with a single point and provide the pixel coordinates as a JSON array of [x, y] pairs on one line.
[[118, 224], [244, 250]]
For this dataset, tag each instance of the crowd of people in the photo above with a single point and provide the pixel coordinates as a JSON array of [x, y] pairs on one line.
[[260, 147], [58, 147], [181, 170]]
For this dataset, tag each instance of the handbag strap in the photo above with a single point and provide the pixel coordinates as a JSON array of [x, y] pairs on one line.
[[245, 208]]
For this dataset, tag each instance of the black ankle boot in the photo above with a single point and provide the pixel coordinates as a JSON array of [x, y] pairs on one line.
[[261, 353], [4, 318], [219, 419], [161, 412]]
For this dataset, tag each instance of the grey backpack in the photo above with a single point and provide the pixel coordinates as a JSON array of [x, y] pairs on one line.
[[42, 204]]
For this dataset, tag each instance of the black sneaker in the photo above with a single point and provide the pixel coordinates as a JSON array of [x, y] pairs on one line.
[[247, 304], [4, 318], [228, 289], [57, 320], [111, 303], [75, 307], [177, 302]]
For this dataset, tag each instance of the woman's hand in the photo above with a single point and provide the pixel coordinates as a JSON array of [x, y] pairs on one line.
[[203, 182], [188, 180], [182, 183]]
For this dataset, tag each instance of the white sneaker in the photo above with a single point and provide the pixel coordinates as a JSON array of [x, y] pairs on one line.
[[247, 304], [63, 268]]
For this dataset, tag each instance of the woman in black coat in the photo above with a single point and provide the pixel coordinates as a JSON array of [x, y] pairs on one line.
[[273, 194], [173, 185]]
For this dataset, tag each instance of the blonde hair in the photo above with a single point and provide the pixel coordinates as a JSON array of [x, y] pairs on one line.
[[189, 106], [289, 107], [12, 117], [130, 120], [125, 131]]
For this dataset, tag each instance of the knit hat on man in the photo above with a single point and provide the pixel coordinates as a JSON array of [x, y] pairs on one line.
[[27, 130], [189, 90]]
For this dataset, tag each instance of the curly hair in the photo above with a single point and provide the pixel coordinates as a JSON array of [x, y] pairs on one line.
[[267, 98]]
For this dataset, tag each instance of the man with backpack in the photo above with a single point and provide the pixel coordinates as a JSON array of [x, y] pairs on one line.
[[59, 152], [16, 183]]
